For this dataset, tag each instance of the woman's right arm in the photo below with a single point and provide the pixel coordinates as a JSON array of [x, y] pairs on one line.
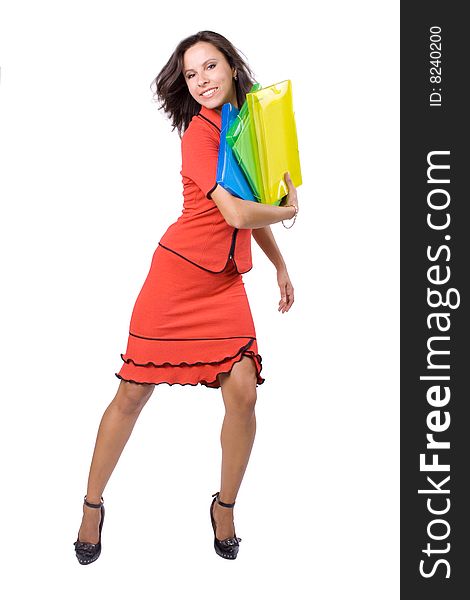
[[243, 214]]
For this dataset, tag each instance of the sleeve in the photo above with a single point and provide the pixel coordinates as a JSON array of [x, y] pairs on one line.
[[200, 152]]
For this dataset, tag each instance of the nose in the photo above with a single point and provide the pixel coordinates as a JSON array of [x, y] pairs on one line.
[[202, 80]]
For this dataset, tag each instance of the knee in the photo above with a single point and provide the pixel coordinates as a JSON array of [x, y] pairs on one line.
[[240, 399], [244, 401], [239, 388], [132, 397]]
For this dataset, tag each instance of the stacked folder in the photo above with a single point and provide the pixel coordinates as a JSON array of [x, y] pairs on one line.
[[258, 144]]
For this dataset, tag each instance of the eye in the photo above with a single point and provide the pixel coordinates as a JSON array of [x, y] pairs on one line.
[[208, 66]]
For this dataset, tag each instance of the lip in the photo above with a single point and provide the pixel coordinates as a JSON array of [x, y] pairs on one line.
[[215, 87]]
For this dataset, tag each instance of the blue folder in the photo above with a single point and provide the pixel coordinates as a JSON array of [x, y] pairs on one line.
[[229, 174]]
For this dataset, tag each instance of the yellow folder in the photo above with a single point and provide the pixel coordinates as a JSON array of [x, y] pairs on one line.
[[275, 134]]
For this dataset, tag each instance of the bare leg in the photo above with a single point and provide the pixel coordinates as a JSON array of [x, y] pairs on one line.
[[115, 429], [237, 437]]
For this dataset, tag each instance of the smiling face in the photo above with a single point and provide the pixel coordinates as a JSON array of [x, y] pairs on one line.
[[206, 68]]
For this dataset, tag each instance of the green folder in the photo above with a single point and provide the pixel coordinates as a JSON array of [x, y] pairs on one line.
[[241, 137]]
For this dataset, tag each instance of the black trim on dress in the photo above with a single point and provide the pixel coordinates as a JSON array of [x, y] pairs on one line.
[[208, 195], [230, 337], [209, 121], [203, 268]]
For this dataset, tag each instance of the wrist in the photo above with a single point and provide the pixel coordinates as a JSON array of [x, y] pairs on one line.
[[288, 214], [294, 216], [295, 210]]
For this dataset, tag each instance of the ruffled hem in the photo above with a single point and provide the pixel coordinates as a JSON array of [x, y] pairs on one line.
[[184, 373]]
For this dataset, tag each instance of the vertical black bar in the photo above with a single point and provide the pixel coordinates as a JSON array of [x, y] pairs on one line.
[[435, 252]]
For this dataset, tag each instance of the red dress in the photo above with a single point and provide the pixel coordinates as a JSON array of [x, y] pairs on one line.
[[192, 320]]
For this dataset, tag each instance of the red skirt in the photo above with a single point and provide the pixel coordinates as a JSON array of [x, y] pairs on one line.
[[188, 325]]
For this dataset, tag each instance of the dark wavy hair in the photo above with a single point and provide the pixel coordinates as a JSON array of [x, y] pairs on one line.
[[172, 91]]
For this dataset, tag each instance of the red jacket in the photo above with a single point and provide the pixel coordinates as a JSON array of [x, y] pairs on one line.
[[201, 234]]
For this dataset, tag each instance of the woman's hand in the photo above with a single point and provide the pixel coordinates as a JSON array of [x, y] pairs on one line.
[[291, 197], [286, 288]]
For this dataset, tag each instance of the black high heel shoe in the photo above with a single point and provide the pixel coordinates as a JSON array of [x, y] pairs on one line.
[[87, 553], [227, 548]]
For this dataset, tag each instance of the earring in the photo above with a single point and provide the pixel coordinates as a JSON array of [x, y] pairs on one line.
[[236, 77]]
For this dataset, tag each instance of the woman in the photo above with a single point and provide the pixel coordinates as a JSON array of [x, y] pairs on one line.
[[191, 323]]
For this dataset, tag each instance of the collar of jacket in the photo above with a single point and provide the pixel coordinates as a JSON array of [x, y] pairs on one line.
[[211, 115]]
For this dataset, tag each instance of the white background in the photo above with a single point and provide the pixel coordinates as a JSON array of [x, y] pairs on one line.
[[89, 183]]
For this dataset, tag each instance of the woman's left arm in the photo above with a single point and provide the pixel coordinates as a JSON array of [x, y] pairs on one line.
[[265, 239]]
